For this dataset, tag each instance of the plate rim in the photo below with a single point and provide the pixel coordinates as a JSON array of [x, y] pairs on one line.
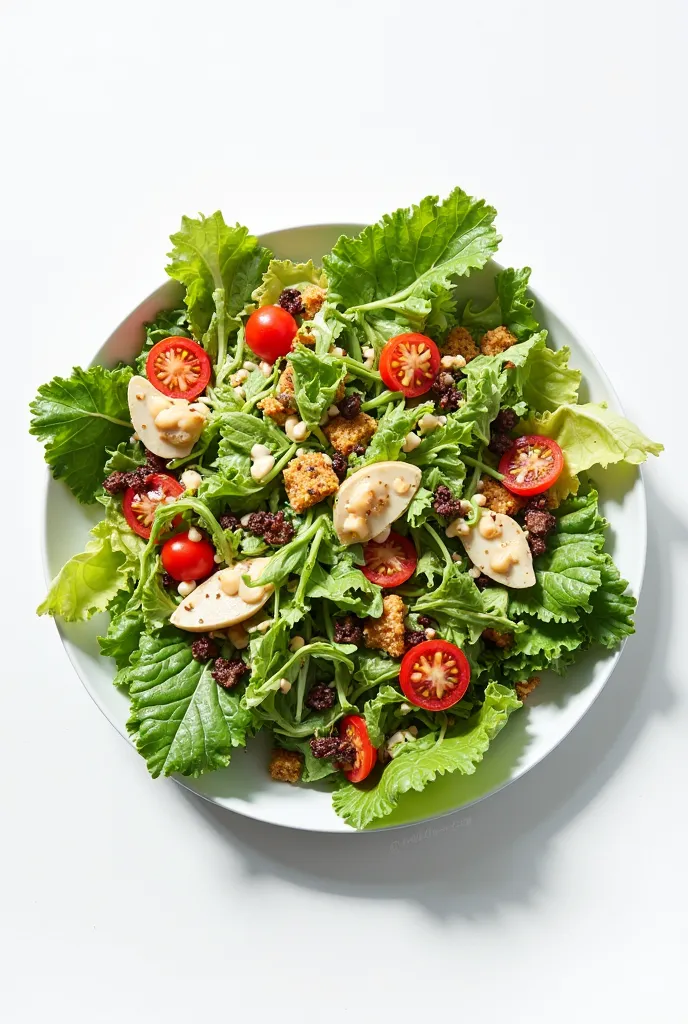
[[340, 827]]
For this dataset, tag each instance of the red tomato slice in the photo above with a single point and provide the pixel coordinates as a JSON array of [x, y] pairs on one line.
[[434, 675], [270, 332], [390, 562], [178, 367], [139, 503], [409, 363], [186, 559], [353, 729], [532, 465]]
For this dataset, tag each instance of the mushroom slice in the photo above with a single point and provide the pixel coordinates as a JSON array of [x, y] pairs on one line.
[[168, 427], [498, 547], [224, 599], [372, 499]]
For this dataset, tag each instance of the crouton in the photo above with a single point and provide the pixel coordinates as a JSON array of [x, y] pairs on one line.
[[312, 298], [387, 632], [460, 343], [498, 499], [285, 765], [282, 404], [304, 336], [526, 687], [502, 640], [308, 479], [345, 435], [494, 342]]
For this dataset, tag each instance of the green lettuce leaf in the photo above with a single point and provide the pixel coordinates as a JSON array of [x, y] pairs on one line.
[[380, 711], [395, 264], [316, 382], [546, 381], [88, 582], [543, 645], [346, 587], [239, 431], [168, 323], [611, 616], [125, 458], [392, 429], [78, 417], [457, 604], [418, 764], [180, 719], [283, 274], [124, 631], [590, 435], [510, 307]]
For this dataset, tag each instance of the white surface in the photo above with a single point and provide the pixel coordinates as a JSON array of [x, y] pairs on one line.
[[551, 713], [560, 898]]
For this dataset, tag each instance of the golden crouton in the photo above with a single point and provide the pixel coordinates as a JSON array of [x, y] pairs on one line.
[[525, 688], [499, 499], [460, 343], [312, 298], [285, 765], [345, 435], [281, 405], [503, 640], [308, 479], [304, 336], [387, 632], [494, 342]]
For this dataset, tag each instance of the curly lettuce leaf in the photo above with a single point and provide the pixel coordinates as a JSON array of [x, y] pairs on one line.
[[317, 380], [380, 711], [125, 629], [168, 323], [88, 582], [590, 435], [239, 431], [611, 616], [347, 588], [180, 719], [457, 604], [282, 274], [418, 764], [396, 264], [510, 307], [543, 645], [78, 418], [392, 428]]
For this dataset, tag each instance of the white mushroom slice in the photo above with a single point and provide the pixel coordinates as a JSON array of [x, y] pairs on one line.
[[169, 427], [372, 499], [219, 602], [498, 547]]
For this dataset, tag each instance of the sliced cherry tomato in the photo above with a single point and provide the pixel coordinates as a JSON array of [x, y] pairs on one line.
[[353, 729], [270, 332], [389, 563], [178, 367], [409, 363], [532, 465], [186, 559], [139, 503], [434, 675]]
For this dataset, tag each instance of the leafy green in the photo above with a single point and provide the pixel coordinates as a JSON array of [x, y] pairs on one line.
[[78, 417], [127, 456], [168, 323], [346, 587], [457, 604], [220, 266], [395, 264], [88, 582], [419, 763], [543, 645], [379, 711], [317, 380], [390, 436], [283, 274], [181, 720], [266, 675], [611, 616], [124, 631], [547, 381], [239, 432], [590, 435], [314, 768], [483, 399], [510, 307]]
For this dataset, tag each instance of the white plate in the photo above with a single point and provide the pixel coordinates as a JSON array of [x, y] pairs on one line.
[[531, 734]]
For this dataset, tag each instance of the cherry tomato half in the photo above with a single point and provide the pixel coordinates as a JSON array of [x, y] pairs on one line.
[[409, 363], [434, 675], [186, 559], [178, 367], [353, 729], [270, 332], [139, 503], [532, 464], [391, 562]]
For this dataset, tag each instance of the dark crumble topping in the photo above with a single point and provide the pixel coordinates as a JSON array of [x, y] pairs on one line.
[[500, 431], [273, 527], [445, 504], [425, 620], [321, 697], [360, 449], [167, 580], [117, 482], [157, 464], [539, 523], [326, 746], [290, 299], [229, 521], [445, 391], [204, 648], [350, 406], [482, 582], [227, 673], [413, 637], [348, 630], [346, 755], [340, 465]]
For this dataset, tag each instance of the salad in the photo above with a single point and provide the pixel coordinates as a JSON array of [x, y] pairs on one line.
[[340, 505]]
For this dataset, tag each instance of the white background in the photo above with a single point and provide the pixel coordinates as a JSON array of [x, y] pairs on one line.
[[561, 898]]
